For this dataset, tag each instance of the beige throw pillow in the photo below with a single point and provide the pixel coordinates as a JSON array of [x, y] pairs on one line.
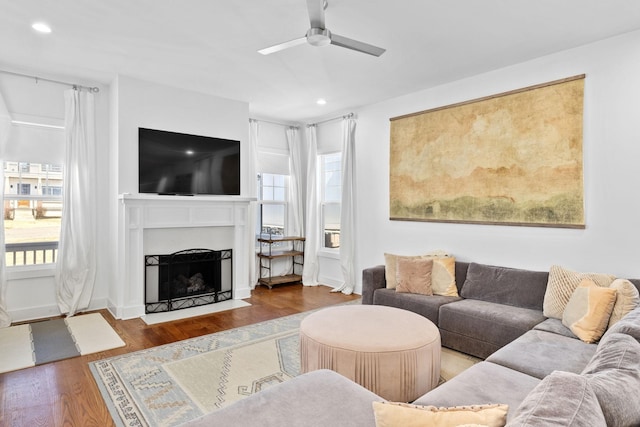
[[391, 414], [560, 286], [390, 262], [588, 310], [443, 276], [628, 299], [414, 275]]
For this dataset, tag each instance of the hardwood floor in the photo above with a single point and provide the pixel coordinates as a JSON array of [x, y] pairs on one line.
[[64, 393]]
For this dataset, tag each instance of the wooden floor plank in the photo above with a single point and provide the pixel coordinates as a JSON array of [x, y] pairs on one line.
[[64, 393]]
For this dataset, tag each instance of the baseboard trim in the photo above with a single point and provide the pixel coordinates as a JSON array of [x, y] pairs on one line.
[[332, 283], [46, 311]]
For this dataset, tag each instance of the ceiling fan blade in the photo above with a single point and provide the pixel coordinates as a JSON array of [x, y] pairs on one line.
[[356, 45], [316, 13], [283, 46]]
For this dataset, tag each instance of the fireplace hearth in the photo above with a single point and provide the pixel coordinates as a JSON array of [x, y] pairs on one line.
[[188, 278]]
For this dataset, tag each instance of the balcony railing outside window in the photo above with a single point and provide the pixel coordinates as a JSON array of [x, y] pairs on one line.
[[32, 213], [31, 253]]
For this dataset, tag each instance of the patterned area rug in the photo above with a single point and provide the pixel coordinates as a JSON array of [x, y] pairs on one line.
[[174, 383]]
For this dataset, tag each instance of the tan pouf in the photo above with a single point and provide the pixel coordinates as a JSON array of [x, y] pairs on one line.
[[392, 352]]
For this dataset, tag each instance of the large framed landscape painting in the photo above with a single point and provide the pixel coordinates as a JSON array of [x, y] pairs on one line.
[[511, 159]]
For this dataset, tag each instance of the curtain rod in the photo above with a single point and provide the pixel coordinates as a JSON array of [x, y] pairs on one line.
[[73, 85], [273, 123], [346, 116]]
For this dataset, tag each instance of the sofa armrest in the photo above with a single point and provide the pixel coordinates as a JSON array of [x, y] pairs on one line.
[[315, 399], [372, 278]]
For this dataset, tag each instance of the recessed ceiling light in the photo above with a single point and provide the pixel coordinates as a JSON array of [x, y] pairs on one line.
[[41, 27], [189, 152], [321, 101]]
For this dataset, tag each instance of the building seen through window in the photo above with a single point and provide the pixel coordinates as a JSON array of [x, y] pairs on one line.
[[32, 212], [272, 205], [331, 179]]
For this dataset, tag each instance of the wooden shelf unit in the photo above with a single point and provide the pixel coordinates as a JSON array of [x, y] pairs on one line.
[[296, 253]]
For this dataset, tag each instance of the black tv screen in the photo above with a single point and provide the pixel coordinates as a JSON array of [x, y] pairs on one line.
[[182, 164]]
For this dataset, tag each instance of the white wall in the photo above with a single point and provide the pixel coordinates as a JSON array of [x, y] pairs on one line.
[[31, 294], [609, 243], [137, 103]]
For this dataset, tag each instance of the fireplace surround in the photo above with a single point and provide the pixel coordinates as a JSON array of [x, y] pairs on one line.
[[138, 213]]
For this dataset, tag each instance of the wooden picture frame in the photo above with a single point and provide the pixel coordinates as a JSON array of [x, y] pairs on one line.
[[513, 158]]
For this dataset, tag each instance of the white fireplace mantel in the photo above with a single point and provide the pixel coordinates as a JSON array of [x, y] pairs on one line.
[[139, 212]]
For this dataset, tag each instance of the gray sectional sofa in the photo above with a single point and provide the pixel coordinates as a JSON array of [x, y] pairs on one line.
[[496, 305], [536, 365]]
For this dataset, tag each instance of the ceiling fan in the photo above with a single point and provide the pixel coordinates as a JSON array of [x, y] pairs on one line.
[[319, 35]]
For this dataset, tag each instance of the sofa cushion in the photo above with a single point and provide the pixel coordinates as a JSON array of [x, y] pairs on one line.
[[555, 326], [629, 325], [461, 274], [588, 311], [628, 299], [614, 375], [511, 286], [472, 386], [427, 306], [579, 406], [562, 282], [538, 353], [316, 399], [495, 324], [469, 345], [443, 276], [391, 414], [413, 275], [390, 272]]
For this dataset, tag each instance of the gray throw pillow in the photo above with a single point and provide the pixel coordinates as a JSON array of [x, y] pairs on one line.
[[629, 325], [510, 286], [560, 399], [614, 375]]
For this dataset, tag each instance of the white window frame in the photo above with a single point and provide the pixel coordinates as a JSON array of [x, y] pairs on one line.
[[261, 202], [330, 251], [34, 140], [15, 272]]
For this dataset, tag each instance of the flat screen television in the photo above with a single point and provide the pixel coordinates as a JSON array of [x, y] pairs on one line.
[[182, 164]]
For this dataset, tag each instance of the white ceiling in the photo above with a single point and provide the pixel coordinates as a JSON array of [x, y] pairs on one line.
[[211, 45]]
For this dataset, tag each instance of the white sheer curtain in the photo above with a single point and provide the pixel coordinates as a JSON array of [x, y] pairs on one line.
[[347, 221], [76, 266], [294, 216], [252, 166], [5, 127], [312, 244]]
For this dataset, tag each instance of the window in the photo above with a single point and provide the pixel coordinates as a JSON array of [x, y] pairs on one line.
[[32, 212], [331, 182], [24, 189], [272, 204]]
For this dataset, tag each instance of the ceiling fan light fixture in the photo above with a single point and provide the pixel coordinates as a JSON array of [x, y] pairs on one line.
[[318, 36]]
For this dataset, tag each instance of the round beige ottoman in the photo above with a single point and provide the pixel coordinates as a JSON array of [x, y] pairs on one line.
[[392, 352]]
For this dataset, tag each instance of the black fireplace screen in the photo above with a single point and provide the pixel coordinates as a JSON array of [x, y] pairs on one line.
[[187, 278]]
